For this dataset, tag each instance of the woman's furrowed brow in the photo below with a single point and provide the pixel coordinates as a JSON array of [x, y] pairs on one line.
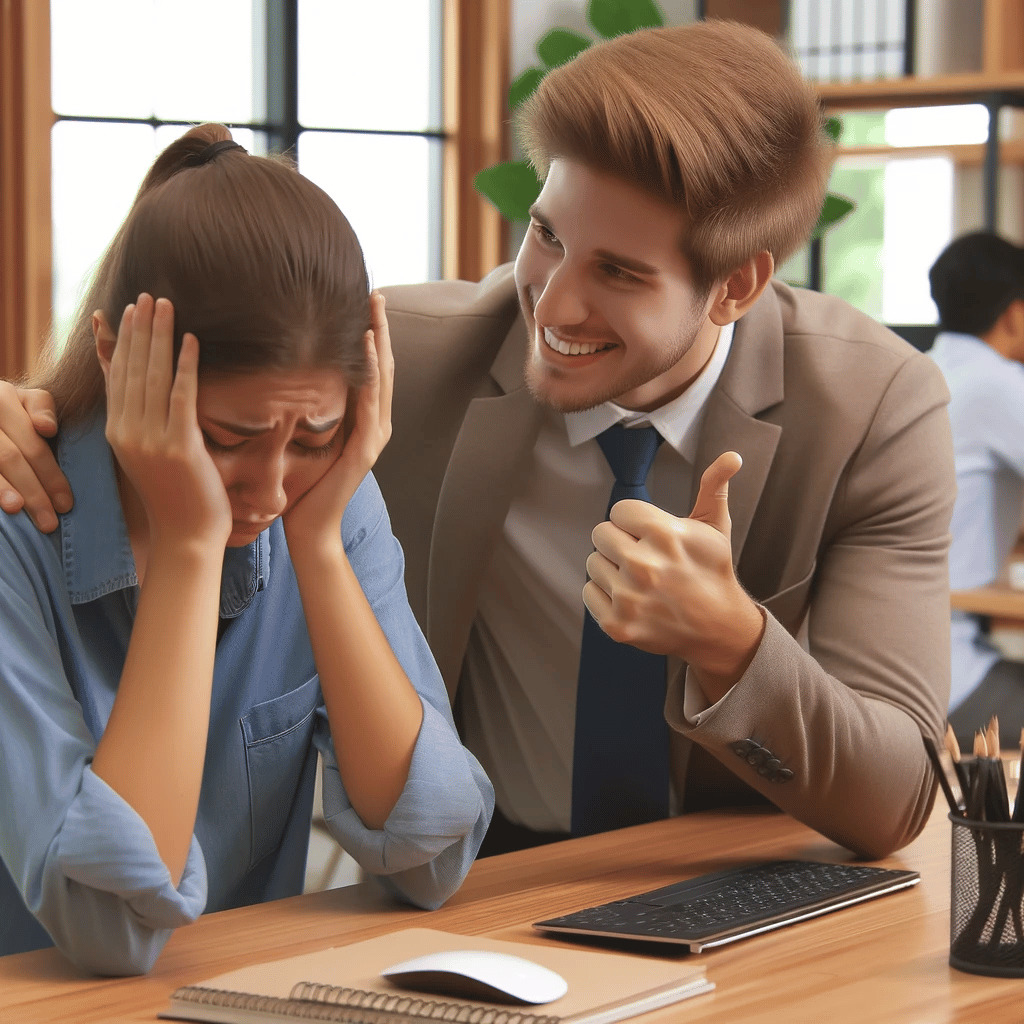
[[245, 430]]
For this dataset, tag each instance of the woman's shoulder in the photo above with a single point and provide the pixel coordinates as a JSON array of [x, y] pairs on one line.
[[364, 513], [28, 557]]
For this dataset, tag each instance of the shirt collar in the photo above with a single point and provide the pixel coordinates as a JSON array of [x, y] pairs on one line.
[[95, 548], [677, 421], [956, 341]]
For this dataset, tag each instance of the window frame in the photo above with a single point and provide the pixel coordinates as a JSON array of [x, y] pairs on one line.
[[475, 78]]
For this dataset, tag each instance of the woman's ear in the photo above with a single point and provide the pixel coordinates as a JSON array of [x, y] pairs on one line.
[[741, 289], [105, 341]]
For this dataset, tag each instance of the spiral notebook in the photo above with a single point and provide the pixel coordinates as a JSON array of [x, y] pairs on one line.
[[344, 984]]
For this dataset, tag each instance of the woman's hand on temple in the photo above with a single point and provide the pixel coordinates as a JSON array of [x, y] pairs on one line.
[[316, 516], [153, 429]]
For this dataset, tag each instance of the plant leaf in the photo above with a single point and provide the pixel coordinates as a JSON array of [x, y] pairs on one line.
[[833, 211], [834, 128], [559, 46], [524, 86], [511, 187], [615, 17]]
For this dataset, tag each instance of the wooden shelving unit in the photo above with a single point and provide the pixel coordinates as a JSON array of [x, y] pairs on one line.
[[999, 84]]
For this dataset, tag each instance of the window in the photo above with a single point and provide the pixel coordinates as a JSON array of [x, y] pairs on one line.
[[353, 90]]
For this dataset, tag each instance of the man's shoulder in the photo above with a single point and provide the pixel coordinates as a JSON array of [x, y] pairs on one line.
[[815, 315], [492, 298]]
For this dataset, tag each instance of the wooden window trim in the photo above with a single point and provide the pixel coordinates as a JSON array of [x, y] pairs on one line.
[[475, 68], [475, 71], [26, 118]]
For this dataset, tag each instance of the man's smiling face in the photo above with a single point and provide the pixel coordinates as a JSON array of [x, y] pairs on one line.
[[608, 296]]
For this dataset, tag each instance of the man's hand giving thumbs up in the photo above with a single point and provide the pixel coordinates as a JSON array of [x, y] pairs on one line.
[[667, 585]]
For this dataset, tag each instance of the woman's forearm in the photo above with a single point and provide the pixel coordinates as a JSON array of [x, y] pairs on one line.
[[374, 712], [154, 746]]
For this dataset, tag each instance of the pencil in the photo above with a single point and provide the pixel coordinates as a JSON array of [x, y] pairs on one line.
[[933, 756], [954, 755], [1018, 806]]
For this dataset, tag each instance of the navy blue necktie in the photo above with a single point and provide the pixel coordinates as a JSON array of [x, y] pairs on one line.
[[620, 773]]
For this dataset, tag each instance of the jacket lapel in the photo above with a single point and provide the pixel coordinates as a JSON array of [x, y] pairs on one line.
[[751, 382], [487, 463]]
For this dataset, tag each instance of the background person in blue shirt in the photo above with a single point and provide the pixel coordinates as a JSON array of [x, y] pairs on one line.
[[978, 286], [226, 598]]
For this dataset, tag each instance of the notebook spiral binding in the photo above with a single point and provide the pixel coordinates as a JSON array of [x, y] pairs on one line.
[[310, 1001]]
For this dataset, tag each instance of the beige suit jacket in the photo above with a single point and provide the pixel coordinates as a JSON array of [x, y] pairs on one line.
[[840, 531]]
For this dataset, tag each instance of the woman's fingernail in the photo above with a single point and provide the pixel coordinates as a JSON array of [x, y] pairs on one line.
[[9, 501], [63, 503], [46, 521]]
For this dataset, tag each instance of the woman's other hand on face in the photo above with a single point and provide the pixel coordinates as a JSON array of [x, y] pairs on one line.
[[316, 517], [153, 430]]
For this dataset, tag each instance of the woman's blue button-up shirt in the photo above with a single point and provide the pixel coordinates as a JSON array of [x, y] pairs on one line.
[[76, 858]]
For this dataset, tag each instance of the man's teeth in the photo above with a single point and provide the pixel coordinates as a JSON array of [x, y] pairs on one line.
[[573, 348]]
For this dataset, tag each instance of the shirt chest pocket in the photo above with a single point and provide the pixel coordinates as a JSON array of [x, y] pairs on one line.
[[277, 735]]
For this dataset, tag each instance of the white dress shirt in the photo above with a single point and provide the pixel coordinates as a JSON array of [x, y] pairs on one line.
[[518, 684], [986, 412]]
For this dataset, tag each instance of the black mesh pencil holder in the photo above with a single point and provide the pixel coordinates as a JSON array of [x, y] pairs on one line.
[[986, 913]]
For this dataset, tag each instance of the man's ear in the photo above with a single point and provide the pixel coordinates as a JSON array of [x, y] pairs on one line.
[[105, 340], [741, 289], [1011, 322]]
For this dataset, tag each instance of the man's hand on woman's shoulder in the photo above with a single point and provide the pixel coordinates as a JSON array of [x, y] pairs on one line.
[[29, 476]]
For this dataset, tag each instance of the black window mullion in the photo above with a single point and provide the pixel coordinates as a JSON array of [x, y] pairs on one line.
[[278, 72]]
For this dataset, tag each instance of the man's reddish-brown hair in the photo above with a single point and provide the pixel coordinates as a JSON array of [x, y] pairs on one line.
[[712, 116]]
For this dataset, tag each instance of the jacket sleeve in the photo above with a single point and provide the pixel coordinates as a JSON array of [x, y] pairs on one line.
[[82, 860], [431, 837], [831, 730]]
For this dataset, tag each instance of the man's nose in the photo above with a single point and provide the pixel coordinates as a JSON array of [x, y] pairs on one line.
[[561, 300]]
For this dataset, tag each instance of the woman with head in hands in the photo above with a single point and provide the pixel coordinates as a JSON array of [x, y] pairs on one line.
[[226, 598]]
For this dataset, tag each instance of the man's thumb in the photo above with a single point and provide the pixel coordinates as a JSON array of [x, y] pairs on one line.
[[712, 504]]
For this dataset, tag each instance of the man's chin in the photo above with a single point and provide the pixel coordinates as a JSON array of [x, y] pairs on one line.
[[560, 398]]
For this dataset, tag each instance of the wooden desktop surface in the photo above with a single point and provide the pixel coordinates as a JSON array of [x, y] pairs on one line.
[[885, 960]]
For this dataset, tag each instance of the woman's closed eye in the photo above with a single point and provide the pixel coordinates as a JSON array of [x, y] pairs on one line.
[[319, 451], [216, 446]]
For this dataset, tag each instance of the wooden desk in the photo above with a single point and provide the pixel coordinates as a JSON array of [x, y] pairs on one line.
[[882, 961], [1003, 604]]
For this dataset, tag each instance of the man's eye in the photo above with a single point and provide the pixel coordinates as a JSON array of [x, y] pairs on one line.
[[545, 233], [618, 273]]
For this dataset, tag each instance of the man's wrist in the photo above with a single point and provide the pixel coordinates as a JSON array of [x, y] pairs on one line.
[[726, 663]]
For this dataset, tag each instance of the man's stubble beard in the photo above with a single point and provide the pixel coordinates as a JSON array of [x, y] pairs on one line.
[[535, 380]]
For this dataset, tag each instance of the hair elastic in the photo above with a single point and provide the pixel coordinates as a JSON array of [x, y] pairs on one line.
[[211, 151]]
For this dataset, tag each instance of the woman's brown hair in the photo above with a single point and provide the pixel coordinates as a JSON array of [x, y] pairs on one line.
[[711, 116], [259, 262]]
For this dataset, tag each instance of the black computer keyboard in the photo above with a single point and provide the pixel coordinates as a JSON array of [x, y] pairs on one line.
[[710, 910]]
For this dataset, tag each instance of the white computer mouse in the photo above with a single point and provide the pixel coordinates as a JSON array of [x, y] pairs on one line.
[[479, 974]]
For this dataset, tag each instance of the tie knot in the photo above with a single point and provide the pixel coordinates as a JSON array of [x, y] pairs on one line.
[[630, 452]]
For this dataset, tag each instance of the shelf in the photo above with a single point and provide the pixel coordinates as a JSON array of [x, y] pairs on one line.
[[886, 93], [1011, 151]]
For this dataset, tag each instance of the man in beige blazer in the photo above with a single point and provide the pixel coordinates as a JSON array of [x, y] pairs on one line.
[[800, 590]]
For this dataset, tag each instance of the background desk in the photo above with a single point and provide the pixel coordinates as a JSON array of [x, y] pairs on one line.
[[882, 961], [997, 600]]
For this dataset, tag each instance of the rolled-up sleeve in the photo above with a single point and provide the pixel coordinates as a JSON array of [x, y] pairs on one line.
[[433, 833], [81, 859]]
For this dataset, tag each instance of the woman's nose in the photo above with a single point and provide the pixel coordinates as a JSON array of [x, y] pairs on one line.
[[262, 491]]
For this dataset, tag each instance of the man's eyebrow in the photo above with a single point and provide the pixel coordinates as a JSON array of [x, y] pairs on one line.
[[626, 262], [304, 425]]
